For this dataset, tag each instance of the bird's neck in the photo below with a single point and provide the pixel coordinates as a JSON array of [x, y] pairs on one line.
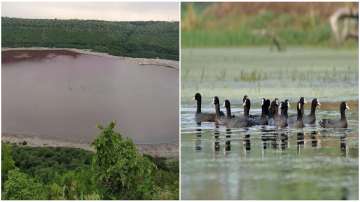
[[343, 116], [276, 112], [246, 111], [217, 109], [228, 112], [300, 113], [198, 107], [263, 111], [313, 108], [273, 111]]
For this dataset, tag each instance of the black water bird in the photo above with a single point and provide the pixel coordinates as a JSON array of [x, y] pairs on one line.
[[298, 122], [331, 123], [235, 122], [201, 116], [281, 120], [219, 115], [311, 118], [274, 107], [263, 118]]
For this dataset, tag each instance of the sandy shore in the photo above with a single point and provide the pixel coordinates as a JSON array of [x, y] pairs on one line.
[[168, 150], [141, 61]]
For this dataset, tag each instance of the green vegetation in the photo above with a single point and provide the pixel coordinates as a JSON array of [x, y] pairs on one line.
[[153, 39], [209, 25], [115, 171], [328, 74], [120, 170], [7, 161]]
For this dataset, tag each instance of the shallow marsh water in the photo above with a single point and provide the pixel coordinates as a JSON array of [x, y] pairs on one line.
[[63, 95], [264, 163]]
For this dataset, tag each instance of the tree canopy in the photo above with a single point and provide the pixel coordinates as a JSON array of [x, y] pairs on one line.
[[150, 39]]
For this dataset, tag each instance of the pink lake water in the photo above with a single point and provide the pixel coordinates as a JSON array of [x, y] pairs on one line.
[[63, 96]]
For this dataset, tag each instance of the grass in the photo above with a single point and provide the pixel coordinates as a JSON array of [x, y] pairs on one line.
[[232, 72], [202, 27]]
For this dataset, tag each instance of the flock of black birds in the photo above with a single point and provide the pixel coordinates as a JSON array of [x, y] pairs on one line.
[[273, 113]]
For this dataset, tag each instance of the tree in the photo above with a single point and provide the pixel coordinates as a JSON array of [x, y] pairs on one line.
[[122, 172], [20, 186], [7, 162]]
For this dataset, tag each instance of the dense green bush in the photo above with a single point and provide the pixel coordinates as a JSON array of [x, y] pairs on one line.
[[167, 176], [151, 39], [115, 171], [20, 186], [121, 171], [7, 161]]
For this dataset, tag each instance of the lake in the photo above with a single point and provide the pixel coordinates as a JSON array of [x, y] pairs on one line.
[[60, 94]]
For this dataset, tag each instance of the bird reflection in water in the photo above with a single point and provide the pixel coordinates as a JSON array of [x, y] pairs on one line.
[[274, 139], [198, 146], [343, 145], [266, 137], [217, 139], [315, 142], [228, 140], [247, 144], [300, 142], [284, 141]]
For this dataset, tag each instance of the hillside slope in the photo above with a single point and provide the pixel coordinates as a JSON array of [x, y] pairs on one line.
[[151, 39]]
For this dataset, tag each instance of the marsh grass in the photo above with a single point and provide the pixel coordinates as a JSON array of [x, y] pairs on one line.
[[206, 29], [233, 72]]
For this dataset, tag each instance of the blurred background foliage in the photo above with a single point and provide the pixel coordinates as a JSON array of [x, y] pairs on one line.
[[232, 24]]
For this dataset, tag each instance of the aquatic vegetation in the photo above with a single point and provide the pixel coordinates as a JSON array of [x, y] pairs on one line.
[[232, 72]]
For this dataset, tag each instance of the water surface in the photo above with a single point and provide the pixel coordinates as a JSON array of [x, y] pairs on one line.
[[63, 96], [264, 163]]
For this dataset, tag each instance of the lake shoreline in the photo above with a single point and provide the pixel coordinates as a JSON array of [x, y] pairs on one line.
[[172, 64], [167, 150]]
